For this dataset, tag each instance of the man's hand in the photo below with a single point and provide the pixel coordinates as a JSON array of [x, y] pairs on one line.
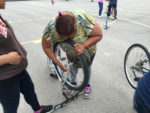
[[13, 58], [79, 48], [64, 68]]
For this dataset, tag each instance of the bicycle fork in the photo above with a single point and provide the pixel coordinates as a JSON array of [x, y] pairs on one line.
[[64, 90]]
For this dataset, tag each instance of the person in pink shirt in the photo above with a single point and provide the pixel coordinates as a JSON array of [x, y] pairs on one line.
[[100, 2]]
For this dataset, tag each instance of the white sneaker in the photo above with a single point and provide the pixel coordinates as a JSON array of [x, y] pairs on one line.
[[99, 16]]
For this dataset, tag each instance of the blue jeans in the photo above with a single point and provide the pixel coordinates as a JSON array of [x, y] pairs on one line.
[[74, 71], [112, 4], [100, 8], [139, 104], [10, 96]]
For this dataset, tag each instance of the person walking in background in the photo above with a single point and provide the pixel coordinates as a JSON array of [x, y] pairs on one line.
[[100, 3], [13, 75], [112, 4]]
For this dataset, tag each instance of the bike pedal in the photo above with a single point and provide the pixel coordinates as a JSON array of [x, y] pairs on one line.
[[53, 75], [137, 78]]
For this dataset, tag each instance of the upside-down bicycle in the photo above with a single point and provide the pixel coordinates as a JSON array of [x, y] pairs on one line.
[[136, 63], [67, 79]]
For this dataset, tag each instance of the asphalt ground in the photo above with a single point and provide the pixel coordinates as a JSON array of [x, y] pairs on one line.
[[111, 92]]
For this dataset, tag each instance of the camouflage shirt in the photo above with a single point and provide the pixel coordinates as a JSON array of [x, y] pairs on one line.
[[85, 24]]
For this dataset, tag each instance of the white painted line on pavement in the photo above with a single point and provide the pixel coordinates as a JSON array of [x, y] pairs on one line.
[[141, 24]]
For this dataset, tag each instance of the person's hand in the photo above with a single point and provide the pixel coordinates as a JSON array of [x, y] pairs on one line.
[[64, 68], [13, 58], [2, 4], [79, 48]]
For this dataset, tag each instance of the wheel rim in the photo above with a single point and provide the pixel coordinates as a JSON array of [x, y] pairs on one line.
[[133, 64], [75, 83]]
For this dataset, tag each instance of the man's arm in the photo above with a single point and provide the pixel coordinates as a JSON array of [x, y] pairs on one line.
[[46, 45], [95, 36], [10, 58]]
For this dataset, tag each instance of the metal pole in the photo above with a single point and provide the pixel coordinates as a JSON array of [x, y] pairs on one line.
[[106, 25]]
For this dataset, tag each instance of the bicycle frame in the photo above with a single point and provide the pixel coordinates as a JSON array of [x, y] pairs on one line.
[[62, 81], [139, 68], [60, 78], [63, 77]]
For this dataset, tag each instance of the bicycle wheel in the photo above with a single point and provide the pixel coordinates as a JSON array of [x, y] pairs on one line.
[[77, 77], [136, 63]]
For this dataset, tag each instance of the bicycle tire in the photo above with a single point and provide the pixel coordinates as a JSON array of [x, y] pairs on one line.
[[85, 70], [139, 68]]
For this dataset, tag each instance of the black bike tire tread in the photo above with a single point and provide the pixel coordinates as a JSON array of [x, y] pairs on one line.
[[86, 71]]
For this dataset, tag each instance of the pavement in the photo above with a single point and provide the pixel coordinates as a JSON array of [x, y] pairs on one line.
[[111, 92]]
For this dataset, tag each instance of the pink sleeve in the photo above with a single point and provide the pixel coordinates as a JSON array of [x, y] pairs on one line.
[[100, 0]]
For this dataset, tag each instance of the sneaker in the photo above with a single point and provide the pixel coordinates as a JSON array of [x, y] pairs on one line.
[[114, 17], [100, 16], [45, 109], [87, 92]]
